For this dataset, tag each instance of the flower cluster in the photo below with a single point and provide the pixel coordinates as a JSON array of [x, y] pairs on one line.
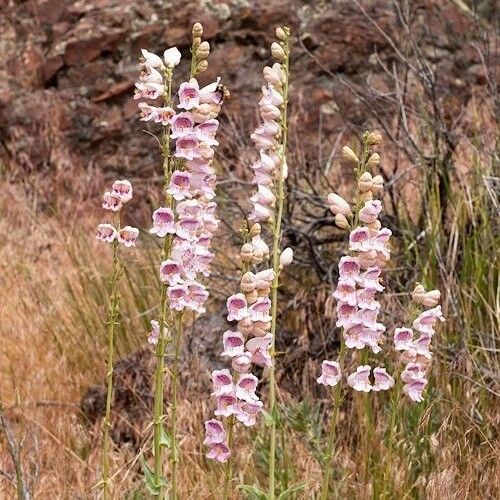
[[359, 281], [192, 221], [415, 353], [121, 193], [266, 139]]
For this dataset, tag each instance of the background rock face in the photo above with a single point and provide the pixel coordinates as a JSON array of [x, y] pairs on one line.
[[67, 68]]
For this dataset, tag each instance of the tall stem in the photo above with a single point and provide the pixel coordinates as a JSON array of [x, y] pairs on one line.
[[336, 399], [276, 269], [228, 470], [164, 312], [112, 317]]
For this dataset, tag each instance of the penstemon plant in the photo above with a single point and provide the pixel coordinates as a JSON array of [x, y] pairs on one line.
[[121, 193], [358, 309], [254, 307], [186, 222]]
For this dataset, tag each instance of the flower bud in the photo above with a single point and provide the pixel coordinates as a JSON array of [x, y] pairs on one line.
[[366, 196], [196, 42], [418, 293], [374, 138], [201, 66], [373, 161], [241, 363], [338, 205], [271, 76], [277, 52], [365, 182], [247, 283], [280, 34], [252, 296], [264, 292], [255, 230], [258, 256], [378, 183], [341, 221], [203, 50], [197, 30], [245, 326], [286, 257], [431, 298], [376, 225], [349, 155], [246, 253]]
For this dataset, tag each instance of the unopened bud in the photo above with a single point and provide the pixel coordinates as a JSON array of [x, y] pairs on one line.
[[377, 183], [255, 230], [258, 256], [366, 196], [226, 93], [246, 253], [196, 42], [286, 257], [374, 138], [277, 52], [197, 30], [264, 292], [338, 205], [201, 66], [349, 155], [418, 293], [280, 34], [431, 298], [341, 221], [247, 283], [373, 161], [245, 326], [365, 182], [203, 50], [375, 225], [252, 296]]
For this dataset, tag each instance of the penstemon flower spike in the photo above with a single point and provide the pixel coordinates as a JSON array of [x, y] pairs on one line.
[[253, 341], [186, 222], [121, 193]]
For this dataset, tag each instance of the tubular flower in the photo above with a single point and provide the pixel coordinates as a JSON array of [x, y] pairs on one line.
[[415, 352]]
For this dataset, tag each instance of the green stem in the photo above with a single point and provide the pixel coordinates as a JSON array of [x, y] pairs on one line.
[[163, 339], [276, 269], [336, 400], [228, 470], [174, 455], [112, 318]]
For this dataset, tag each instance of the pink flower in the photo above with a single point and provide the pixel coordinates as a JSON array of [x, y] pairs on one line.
[[214, 432], [330, 373], [226, 405], [151, 59], [359, 380], [223, 382], [414, 389], [186, 228], [246, 387], [422, 344], [366, 299], [370, 279], [269, 112], [346, 291], [234, 344], [196, 297], [344, 313], [154, 334], [412, 371], [163, 222], [128, 235], [259, 347], [247, 412], [260, 213], [210, 95], [164, 115], [179, 185], [147, 112], [189, 94], [219, 452], [176, 295], [259, 310], [170, 272], [148, 90], [122, 189], [427, 319], [187, 147], [242, 363], [182, 124], [349, 267], [370, 212], [206, 132], [270, 96], [111, 202], [403, 338], [172, 57], [106, 233], [264, 196], [359, 239], [237, 307], [383, 381]]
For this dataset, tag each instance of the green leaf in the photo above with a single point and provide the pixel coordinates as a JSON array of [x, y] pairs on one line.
[[254, 492], [149, 478], [165, 439], [292, 489]]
